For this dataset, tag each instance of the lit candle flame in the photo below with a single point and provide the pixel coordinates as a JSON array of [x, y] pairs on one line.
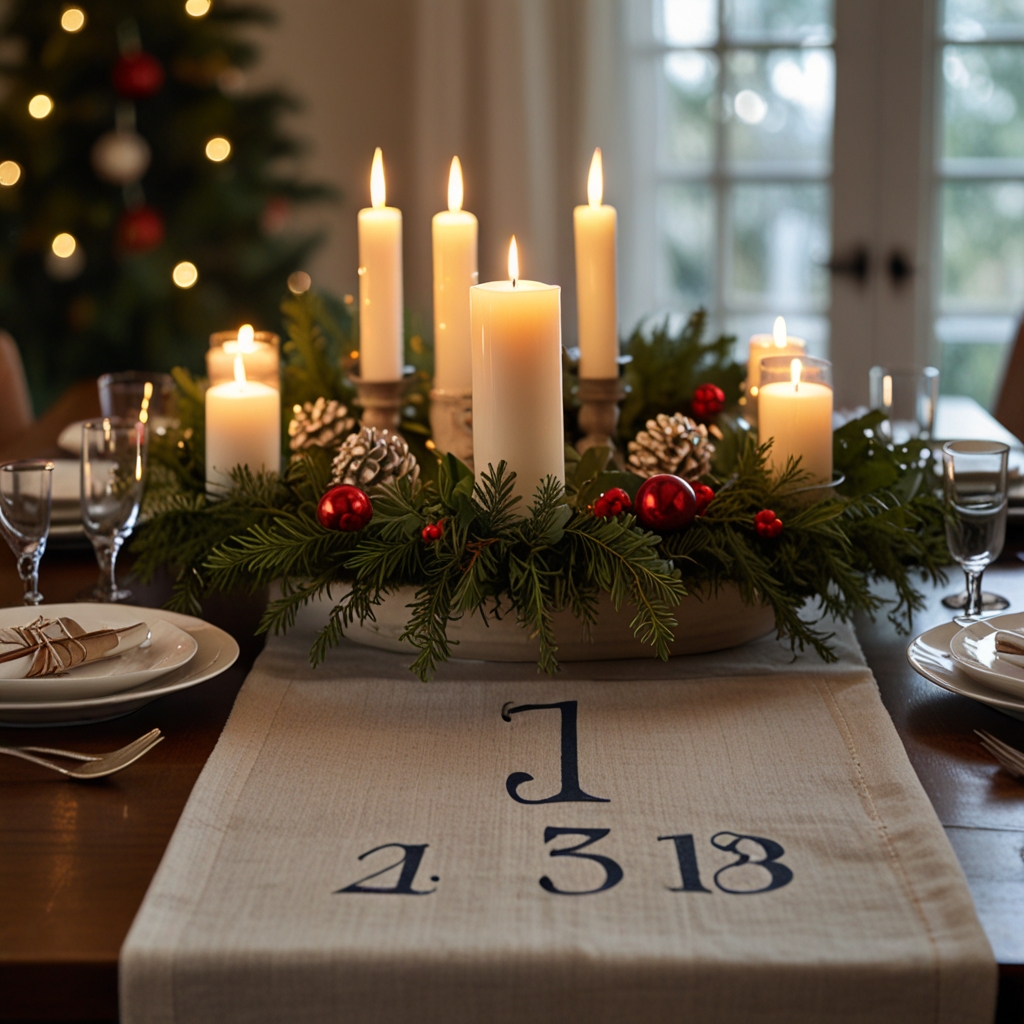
[[455, 186], [513, 261], [779, 331], [595, 179], [378, 195], [246, 338], [239, 369], [795, 368]]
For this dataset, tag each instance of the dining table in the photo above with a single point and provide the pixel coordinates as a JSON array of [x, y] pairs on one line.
[[76, 858]]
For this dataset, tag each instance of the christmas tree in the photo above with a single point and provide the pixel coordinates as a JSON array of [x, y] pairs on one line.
[[143, 199]]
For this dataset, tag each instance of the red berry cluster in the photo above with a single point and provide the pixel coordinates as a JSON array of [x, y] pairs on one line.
[[432, 532], [704, 496], [611, 503], [708, 400], [767, 524], [344, 508]]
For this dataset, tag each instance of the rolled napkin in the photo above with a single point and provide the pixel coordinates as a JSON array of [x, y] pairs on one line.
[[1010, 646], [53, 646]]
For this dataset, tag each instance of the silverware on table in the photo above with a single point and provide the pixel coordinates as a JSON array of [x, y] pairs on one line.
[[1011, 759], [95, 766]]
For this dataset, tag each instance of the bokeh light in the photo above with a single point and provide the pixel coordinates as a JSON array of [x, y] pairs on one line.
[[10, 173], [73, 19], [218, 149], [40, 105], [197, 8], [299, 282], [63, 245], [185, 274]]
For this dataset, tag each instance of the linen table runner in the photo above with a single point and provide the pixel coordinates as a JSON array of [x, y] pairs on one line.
[[724, 838]]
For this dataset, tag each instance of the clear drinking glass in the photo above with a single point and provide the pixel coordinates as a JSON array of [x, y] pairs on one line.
[[974, 480], [907, 398], [113, 472], [136, 395], [25, 495]]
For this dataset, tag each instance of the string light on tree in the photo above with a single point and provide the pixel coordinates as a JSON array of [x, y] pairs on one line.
[[40, 106], [218, 149], [197, 8], [63, 245], [73, 19], [185, 274], [10, 173], [65, 259]]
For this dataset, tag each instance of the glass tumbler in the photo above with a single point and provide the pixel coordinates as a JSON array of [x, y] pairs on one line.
[[907, 398], [137, 395], [25, 499], [113, 475], [974, 481]]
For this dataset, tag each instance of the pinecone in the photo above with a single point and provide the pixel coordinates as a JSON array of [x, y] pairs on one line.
[[374, 457], [319, 424], [672, 444]]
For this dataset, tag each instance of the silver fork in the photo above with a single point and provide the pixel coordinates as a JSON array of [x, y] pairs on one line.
[[1011, 759], [95, 766]]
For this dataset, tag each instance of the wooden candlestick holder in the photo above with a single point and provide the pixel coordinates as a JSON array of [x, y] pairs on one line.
[[451, 423], [381, 401], [599, 412]]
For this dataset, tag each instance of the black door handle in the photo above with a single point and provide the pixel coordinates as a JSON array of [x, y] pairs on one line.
[[899, 267], [856, 264]]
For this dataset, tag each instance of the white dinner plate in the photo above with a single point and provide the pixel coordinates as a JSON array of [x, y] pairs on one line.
[[974, 650], [929, 656], [169, 648], [216, 652]]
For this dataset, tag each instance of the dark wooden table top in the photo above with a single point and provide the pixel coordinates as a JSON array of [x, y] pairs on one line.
[[75, 860]]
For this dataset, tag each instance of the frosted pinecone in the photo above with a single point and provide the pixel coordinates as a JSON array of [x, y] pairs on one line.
[[319, 424], [672, 444], [374, 457]]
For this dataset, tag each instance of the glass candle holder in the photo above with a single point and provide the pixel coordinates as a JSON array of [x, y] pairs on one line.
[[261, 357], [794, 412]]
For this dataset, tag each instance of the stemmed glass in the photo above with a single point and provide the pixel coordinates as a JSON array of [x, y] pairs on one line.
[[25, 499], [113, 471], [974, 480]]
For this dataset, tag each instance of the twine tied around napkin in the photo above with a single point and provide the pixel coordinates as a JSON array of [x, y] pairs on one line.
[[58, 645]]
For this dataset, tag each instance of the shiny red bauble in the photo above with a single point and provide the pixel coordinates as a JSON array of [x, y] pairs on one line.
[[140, 229], [432, 532], [767, 524], [344, 508], [708, 400], [612, 503], [665, 502], [138, 75], [704, 496]]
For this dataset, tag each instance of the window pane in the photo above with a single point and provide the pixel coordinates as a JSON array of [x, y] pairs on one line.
[[686, 215], [779, 239], [803, 21], [688, 22], [974, 351], [983, 246], [976, 19], [782, 104], [984, 107], [692, 83]]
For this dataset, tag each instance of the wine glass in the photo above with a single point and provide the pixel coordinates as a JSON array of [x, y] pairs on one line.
[[974, 480], [113, 471], [25, 497]]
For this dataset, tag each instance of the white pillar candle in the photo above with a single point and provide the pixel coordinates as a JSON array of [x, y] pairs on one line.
[[763, 346], [380, 283], [517, 379], [596, 308], [260, 356], [796, 415], [455, 272], [243, 428]]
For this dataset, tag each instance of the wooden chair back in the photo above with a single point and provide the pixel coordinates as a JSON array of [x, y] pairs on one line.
[[1010, 405], [15, 401]]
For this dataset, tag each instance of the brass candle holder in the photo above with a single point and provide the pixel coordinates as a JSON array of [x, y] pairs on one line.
[[599, 412], [381, 400], [451, 423]]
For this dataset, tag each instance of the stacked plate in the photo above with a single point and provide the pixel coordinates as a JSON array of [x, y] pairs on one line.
[[965, 661], [180, 652]]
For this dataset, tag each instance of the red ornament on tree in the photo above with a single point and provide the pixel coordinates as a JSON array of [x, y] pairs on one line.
[[344, 508], [432, 532], [140, 229], [767, 524], [611, 503], [665, 502], [704, 496], [138, 75], [708, 400]]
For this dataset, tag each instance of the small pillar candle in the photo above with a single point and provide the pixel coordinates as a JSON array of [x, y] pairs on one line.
[[243, 428], [596, 304], [259, 351], [764, 346], [517, 379], [380, 283], [454, 233], [795, 414]]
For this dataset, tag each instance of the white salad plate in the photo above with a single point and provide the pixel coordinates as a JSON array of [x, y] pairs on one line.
[[974, 650], [169, 648], [216, 651], [929, 656]]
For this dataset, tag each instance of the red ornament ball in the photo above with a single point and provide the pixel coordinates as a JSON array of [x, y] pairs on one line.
[[138, 75], [344, 508], [767, 524], [140, 229], [708, 400], [704, 496], [665, 502], [611, 503], [432, 532]]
